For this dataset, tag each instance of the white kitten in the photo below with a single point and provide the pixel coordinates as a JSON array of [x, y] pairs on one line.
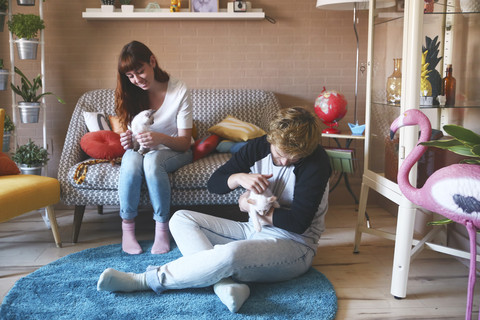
[[141, 123], [259, 205]]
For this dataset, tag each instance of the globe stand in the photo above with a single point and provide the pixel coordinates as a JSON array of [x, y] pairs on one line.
[[332, 128]]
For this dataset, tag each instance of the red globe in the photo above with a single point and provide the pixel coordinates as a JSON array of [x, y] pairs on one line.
[[330, 107]]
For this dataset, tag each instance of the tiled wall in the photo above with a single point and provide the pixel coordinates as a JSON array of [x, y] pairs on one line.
[[305, 50]]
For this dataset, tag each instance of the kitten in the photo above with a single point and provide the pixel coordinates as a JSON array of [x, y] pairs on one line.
[[141, 123], [259, 205]]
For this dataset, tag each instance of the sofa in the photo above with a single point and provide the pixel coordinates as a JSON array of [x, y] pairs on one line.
[[189, 183]]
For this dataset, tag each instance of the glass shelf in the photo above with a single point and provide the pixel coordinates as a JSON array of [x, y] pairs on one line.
[[465, 105]]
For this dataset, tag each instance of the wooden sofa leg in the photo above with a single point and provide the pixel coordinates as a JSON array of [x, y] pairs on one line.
[[54, 226], [100, 209], [77, 222]]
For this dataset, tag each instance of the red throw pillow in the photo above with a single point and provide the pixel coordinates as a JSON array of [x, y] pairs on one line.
[[103, 144], [7, 166], [204, 146]]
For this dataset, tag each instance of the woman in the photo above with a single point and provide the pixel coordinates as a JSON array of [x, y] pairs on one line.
[[142, 85], [220, 252]]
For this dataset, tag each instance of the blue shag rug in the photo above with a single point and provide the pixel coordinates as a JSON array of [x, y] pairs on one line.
[[67, 289]]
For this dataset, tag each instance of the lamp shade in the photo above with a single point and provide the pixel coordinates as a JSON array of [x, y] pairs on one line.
[[349, 4]]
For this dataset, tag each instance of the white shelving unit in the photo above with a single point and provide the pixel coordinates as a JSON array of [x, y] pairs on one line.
[[41, 47], [165, 14], [386, 42]]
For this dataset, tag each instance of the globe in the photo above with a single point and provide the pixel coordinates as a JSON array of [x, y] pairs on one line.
[[330, 107]]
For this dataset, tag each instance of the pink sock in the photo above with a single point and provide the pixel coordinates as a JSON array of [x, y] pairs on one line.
[[129, 242], [162, 238]]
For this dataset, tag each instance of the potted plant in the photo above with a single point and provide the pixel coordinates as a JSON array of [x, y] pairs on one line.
[[30, 106], [3, 13], [8, 128], [465, 143], [26, 2], [26, 28], [108, 5], [127, 6], [3, 76], [30, 158]]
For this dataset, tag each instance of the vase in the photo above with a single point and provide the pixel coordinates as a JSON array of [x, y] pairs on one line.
[[3, 14], [26, 2], [27, 48], [35, 169], [6, 141], [29, 111], [394, 83], [3, 79]]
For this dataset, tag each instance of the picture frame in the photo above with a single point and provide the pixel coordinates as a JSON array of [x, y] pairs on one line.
[[204, 5]]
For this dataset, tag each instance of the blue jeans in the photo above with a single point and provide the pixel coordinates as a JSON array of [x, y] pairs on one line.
[[214, 248], [154, 168]]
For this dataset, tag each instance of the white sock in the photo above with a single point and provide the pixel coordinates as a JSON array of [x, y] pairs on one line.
[[232, 294], [113, 280]]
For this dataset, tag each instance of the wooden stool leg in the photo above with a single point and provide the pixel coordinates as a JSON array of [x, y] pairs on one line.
[[54, 226]]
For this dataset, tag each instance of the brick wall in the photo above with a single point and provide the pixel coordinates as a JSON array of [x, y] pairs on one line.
[[304, 51]]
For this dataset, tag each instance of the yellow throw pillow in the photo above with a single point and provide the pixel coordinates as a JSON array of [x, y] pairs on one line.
[[234, 129]]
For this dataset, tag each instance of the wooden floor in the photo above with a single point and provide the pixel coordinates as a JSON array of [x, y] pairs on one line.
[[436, 290]]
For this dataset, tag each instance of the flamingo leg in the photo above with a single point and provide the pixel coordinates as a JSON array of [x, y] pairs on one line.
[[471, 276]]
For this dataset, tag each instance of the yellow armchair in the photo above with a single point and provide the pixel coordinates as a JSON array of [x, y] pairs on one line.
[[23, 193]]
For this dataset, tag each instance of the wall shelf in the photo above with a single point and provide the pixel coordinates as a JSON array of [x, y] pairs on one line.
[[165, 14]]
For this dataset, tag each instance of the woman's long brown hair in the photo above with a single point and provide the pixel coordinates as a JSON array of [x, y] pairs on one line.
[[130, 99]]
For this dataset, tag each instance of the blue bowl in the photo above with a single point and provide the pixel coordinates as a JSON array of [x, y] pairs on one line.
[[357, 130]]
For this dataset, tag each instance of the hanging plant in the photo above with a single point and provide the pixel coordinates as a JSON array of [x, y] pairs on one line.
[[28, 89], [30, 155], [25, 26]]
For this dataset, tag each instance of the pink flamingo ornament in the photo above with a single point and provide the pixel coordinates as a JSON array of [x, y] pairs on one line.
[[452, 191]]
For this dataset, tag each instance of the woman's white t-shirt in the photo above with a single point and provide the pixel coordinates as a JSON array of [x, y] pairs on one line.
[[175, 112]]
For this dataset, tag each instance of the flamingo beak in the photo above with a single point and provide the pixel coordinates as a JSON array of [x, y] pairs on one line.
[[392, 134]]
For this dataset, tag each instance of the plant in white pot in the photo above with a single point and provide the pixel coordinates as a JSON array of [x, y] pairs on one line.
[[8, 128], [108, 5], [30, 106], [3, 76], [26, 28], [127, 6], [30, 158], [3, 13]]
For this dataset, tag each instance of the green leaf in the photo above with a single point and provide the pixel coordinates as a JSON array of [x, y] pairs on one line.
[[440, 222], [467, 136], [443, 144], [462, 150], [471, 161], [476, 150]]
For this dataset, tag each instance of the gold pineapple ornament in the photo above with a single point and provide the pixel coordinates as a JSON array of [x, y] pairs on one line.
[[425, 85]]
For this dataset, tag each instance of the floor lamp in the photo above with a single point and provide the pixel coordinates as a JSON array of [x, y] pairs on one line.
[[353, 5]]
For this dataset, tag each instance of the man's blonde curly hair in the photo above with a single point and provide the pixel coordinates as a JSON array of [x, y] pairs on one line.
[[295, 131]]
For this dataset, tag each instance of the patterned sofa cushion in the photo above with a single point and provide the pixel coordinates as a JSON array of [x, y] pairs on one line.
[[196, 174], [104, 176]]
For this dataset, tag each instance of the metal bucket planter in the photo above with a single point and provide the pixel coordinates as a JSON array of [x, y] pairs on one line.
[[34, 169], [29, 111], [6, 141], [27, 48], [3, 79], [26, 2], [3, 14]]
